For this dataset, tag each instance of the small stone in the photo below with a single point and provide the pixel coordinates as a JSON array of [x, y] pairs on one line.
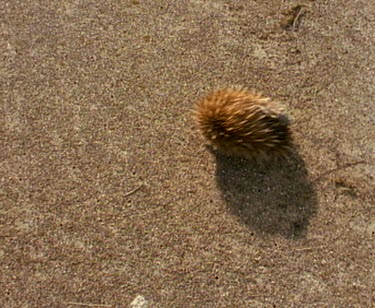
[[139, 302]]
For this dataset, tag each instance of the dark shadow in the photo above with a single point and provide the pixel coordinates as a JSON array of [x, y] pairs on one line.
[[273, 197]]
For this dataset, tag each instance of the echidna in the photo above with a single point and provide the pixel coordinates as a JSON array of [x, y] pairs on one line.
[[245, 124]]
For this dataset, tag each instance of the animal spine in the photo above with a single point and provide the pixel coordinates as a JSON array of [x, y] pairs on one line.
[[245, 124]]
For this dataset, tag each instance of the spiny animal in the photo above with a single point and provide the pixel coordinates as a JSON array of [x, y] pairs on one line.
[[245, 124]]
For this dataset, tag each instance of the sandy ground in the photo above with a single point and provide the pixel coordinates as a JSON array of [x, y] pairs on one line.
[[107, 191]]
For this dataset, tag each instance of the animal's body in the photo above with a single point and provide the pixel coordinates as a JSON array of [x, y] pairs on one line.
[[242, 123]]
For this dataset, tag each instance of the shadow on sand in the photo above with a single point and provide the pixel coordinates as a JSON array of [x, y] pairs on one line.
[[274, 197]]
